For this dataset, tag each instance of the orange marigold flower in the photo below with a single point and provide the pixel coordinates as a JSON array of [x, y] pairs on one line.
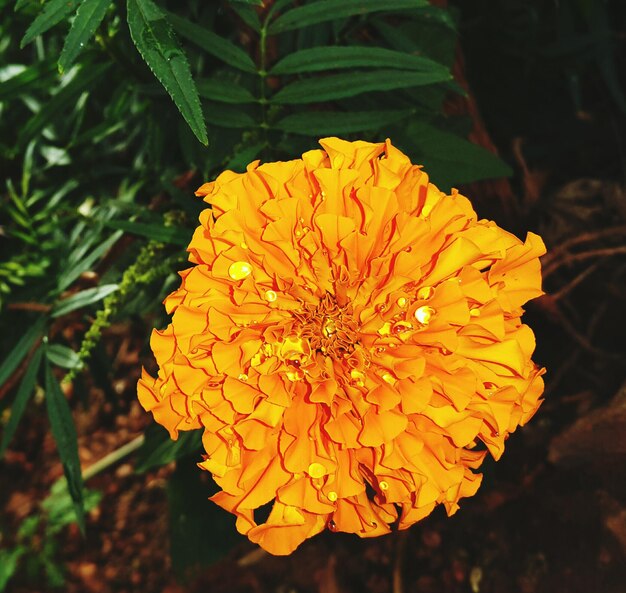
[[347, 337]]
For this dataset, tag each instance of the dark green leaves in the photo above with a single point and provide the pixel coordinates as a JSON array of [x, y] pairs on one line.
[[154, 38], [56, 107], [212, 43], [89, 15], [321, 123], [24, 392], [224, 91], [83, 299], [64, 433], [54, 11], [317, 59], [20, 349], [159, 449], [155, 232], [339, 86], [330, 10]]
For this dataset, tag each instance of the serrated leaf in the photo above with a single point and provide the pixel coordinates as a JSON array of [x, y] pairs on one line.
[[63, 356], [82, 299], [54, 11], [155, 232], [212, 43], [64, 433], [335, 57], [225, 91], [89, 15], [340, 86], [159, 449], [155, 40], [20, 350], [228, 117], [57, 105], [330, 10], [18, 406], [320, 123]]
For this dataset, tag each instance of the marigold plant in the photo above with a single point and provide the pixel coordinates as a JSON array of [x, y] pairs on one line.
[[348, 337]]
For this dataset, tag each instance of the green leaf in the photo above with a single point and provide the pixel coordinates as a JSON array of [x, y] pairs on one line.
[[20, 350], [155, 40], [59, 506], [36, 76], [249, 16], [21, 399], [224, 91], [192, 516], [336, 57], [74, 270], [212, 43], [63, 356], [89, 15], [449, 159], [228, 117], [54, 11], [9, 560], [155, 232], [331, 10], [339, 86], [246, 155], [320, 123], [82, 299], [64, 433], [56, 107], [159, 449]]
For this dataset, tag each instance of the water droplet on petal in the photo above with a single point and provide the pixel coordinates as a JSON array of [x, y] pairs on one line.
[[401, 302], [316, 470], [270, 296], [425, 293], [243, 245], [329, 327], [332, 496], [332, 526], [424, 314], [389, 378], [243, 377], [401, 327], [239, 270], [383, 485], [358, 377], [475, 312]]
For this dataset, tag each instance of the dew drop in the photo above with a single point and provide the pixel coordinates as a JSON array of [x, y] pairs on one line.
[[358, 377], [243, 377], [401, 327], [316, 470], [239, 270], [332, 526], [243, 245], [424, 314], [332, 496], [425, 293], [401, 302], [388, 378], [330, 327], [383, 485], [270, 296], [475, 312]]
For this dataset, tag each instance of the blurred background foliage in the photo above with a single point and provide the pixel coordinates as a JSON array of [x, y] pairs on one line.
[[112, 113]]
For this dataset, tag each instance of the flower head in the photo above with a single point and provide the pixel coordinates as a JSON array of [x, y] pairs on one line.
[[347, 338]]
